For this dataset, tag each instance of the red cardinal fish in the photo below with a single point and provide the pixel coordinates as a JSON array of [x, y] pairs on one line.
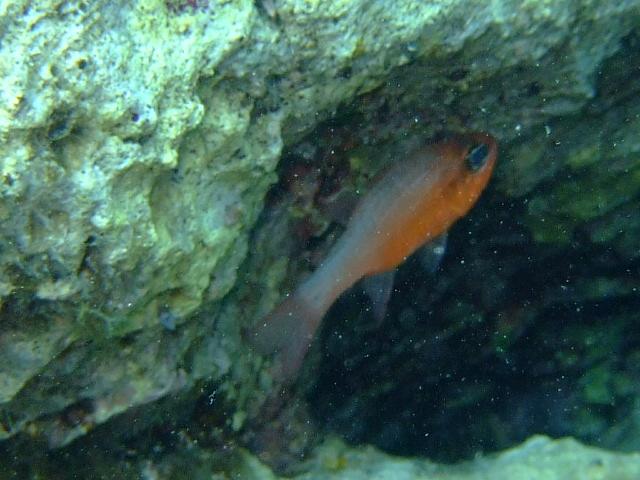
[[415, 201]]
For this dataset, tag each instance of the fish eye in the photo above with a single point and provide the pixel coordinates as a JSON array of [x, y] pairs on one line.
[[477, 156]]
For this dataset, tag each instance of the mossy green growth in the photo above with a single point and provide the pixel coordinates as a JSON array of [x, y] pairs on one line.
[[582, 195], [597, 288], [620, 228], [365, 162], [462, 314], [584, 157], [598, 385]]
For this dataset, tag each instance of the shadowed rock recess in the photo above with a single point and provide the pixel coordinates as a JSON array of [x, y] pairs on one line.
[[170, 169]]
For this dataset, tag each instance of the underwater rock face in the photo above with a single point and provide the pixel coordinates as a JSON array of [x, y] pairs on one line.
[[530, 324], [138, 141], [539, 458]]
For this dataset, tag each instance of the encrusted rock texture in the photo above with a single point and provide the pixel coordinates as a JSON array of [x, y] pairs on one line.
[[139, 140], [539, 458]]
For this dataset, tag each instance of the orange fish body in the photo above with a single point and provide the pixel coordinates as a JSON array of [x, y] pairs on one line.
[[414, 202]]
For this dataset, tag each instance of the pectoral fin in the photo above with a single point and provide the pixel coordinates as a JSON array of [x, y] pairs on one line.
[[431, 254]]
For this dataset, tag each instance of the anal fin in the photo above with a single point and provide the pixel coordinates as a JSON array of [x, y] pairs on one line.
[[378, 288]]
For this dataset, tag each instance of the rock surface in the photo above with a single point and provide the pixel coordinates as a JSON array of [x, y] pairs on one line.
[[539, 458]]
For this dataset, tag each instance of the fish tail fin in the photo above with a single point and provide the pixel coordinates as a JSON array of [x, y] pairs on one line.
[[287, 333]]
